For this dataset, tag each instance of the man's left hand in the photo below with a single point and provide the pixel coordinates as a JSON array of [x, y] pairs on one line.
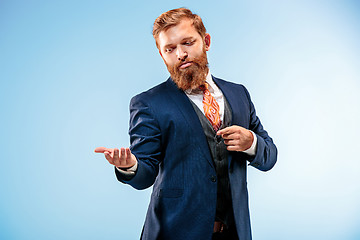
[[236, 138]]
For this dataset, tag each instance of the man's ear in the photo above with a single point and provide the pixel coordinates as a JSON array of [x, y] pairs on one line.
[[207, 41]]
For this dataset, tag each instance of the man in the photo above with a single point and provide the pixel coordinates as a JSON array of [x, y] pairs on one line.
[[192, 138]]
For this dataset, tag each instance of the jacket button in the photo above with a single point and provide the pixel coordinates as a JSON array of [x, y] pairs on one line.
[[213, 178]]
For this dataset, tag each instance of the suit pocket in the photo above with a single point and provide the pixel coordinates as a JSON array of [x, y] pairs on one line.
[[171, 192]]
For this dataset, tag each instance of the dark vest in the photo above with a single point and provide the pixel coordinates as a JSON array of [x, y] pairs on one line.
[[224, 210]]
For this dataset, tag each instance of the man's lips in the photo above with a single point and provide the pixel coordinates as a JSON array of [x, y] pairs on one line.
[[185, 65]]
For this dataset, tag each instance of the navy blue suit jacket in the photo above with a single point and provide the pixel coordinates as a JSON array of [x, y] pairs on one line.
[[173, 155]]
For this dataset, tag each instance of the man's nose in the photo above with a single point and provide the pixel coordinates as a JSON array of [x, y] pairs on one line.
[[181, 54]]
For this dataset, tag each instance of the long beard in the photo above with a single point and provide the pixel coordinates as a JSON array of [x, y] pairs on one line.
[[191, 77]]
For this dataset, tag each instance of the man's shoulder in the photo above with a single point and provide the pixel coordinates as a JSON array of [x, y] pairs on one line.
[[228, 84], [153, 90], [158, 92]]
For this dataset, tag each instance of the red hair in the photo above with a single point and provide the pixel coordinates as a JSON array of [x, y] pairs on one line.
[[172, 18]]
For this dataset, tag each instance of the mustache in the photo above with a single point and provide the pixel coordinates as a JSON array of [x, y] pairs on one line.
[[182, 62]]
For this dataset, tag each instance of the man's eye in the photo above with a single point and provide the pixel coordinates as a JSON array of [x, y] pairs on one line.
[[168, 50]]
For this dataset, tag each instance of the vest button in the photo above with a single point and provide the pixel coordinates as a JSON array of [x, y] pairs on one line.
[[213, 178]]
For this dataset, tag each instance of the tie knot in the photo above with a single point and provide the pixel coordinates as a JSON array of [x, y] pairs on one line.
[[204, 87]]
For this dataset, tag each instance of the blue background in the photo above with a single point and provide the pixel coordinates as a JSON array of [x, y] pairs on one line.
[[69, 68]]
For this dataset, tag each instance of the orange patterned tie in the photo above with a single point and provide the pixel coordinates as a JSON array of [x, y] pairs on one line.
[[211, 107]]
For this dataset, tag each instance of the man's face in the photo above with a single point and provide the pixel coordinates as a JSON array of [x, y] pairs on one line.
[[184, 53]]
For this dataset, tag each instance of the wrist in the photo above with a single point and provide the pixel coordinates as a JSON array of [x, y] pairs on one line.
[[132, 168]]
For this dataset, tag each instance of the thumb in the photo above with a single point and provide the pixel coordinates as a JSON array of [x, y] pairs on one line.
[[100, 149]]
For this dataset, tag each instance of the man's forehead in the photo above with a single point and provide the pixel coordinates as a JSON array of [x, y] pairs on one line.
[[182, 31]]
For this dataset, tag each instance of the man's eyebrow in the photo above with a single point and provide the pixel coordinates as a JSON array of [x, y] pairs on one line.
[[183, 40], [168, 45], [187, 39]]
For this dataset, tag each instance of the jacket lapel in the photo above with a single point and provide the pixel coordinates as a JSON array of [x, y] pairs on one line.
[[233, 99], [226, 93], [186, 109]]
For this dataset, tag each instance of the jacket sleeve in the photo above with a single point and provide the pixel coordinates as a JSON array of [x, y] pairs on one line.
[[266, 151], [145, 139]]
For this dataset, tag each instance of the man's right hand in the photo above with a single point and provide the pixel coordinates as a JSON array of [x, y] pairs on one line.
[[122, 158]]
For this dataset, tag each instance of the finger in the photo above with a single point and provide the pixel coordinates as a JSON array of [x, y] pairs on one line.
[[110, 153], [128, 155], [233, 148], [228, 130], [231, 136], [116, 156], [226, 136], [108, 157], [231, 142], [100, 149], [122, 157], [231, 129], [130, 160], [223, 131]]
